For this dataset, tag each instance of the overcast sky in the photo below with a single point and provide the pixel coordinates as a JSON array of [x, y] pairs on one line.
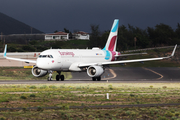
[[51, 15]]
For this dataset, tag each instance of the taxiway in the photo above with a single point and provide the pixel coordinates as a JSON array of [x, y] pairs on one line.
[[117, 75]]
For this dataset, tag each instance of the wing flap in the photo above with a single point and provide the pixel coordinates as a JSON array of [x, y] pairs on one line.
[[130, 54], [129, 61], [87, 64]]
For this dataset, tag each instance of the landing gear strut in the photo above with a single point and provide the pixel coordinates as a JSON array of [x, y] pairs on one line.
[[59, 76], [96, 78], [50, 76]]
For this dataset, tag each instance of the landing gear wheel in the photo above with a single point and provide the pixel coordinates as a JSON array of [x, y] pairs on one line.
[[49, 79], [93, 79], [50, 76], [57, 77], [96, 78], [62, 77], [99, 78]]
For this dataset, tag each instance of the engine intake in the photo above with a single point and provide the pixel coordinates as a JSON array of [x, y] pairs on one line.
[[37, 72], [95, 71]]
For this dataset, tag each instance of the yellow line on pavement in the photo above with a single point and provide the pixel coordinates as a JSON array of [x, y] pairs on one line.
[[161, 76], [113, 73]]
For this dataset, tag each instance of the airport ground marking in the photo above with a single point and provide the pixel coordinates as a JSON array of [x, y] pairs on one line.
[[154, 72], [113, 73]]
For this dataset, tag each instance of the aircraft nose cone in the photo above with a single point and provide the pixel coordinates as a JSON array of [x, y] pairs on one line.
[[43, 63], [39, 63]]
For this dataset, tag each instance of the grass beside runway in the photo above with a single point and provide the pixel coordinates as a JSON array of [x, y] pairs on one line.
[[90, 94]]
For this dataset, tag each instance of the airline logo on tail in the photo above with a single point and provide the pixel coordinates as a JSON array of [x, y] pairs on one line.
[[112, 40]]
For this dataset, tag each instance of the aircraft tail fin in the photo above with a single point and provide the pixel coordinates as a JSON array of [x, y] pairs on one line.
[[112, 39]]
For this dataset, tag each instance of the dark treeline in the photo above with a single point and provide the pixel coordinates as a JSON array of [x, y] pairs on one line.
[[135, 38]]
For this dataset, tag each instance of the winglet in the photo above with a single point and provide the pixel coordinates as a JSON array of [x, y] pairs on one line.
[[5, 50], [174, 51]]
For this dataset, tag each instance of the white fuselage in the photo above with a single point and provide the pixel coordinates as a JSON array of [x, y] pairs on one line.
[[68, 59]]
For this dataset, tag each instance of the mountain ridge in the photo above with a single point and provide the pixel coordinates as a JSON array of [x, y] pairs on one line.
[[9, 25]]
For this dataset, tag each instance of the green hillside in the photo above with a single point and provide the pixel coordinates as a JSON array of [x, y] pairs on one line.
[[10, 25]]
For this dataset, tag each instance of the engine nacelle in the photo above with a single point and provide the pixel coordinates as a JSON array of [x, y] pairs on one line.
[[37, 72], [95, 71]]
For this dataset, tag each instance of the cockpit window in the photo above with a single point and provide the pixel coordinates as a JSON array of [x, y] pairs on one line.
[[45, 56]]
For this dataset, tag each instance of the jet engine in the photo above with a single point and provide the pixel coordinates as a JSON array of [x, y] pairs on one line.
[[37, 72], [95, 71]]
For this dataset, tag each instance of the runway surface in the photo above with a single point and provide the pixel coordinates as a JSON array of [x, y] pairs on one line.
[[117, 75]]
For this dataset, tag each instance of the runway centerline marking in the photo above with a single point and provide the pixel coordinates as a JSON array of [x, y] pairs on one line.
[[161, 76], [113, 73]]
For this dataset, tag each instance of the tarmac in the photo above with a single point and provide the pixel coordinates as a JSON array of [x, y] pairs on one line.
[[117, 75]]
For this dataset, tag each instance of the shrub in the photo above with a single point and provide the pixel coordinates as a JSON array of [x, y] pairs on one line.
[[43, 87], [132, 95], [32, 87], [52, 86], [169, 114], [162, 118], [78, 87], [23, 97], [39, 108], [151, 86], [66, 107], [110, 87], [24, 109], [4, 100], [177, 113], [2, 118], [90, 116], [62, 86], [128, 112], [174, 118], [164, 87], [32, 95]]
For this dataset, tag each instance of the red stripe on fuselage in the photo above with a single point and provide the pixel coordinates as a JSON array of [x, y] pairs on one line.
[[112, 43]]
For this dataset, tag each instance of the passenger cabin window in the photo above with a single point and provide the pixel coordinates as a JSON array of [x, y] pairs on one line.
[[45, 56]]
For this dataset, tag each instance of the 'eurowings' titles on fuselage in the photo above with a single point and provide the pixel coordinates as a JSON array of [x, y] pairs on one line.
[[62, 59]]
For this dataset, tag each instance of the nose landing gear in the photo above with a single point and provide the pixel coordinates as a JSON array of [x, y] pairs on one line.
[[50, 76]]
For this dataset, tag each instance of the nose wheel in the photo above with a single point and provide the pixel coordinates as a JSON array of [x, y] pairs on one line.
[[50, 77]]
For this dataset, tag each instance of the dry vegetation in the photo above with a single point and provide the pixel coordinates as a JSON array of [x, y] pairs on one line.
[[64, 96]]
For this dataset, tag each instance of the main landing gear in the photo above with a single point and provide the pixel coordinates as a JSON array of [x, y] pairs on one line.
[[96, 78], [59, 76]]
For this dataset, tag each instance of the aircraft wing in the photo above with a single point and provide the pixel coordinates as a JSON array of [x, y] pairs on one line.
[[17, 59], [128, 61], [130, 54]]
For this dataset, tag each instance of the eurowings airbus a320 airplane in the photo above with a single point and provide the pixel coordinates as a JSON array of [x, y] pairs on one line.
[[93, 61]]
